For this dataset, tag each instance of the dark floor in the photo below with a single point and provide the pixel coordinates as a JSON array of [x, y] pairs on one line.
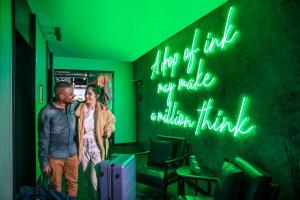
[[85, 190]]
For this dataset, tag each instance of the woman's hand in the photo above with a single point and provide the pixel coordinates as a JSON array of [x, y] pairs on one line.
[[107, 133]]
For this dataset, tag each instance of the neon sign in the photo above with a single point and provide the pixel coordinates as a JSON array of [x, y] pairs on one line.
[[173, 116], [228, 36], [202, 80], [189, 54], [209, 118], [221, 123], [169, 61]]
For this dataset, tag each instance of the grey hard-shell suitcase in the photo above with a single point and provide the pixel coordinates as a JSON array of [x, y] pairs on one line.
[[117, 179]]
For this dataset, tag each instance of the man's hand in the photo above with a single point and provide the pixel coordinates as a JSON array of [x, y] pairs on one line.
[[46, 170]]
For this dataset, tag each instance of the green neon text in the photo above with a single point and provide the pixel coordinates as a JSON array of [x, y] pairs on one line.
[[189, 54], [209, 119], [169, 62], [202, 80], [229, 35], [221, 122], [173, 116], [167, 88]]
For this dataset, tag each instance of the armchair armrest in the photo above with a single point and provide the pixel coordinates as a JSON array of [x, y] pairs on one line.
[[167, 163], [142, 153], [176, 159], [205, 174]]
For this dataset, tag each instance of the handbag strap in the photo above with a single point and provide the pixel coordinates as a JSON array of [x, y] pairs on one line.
[[42, 178], [40, 182]]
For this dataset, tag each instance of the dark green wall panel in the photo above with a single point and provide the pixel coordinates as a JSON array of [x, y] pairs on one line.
[[263, 64]]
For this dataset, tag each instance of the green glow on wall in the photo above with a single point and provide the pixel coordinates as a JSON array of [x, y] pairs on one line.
[[155, 67], [207, 120], [167, 88], [173, 116], [228, 36], [169, 62], [206, 80], [222, 123], [203, 80], [189, 54]]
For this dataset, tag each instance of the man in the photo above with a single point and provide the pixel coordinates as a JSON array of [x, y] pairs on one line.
[[57, 149]]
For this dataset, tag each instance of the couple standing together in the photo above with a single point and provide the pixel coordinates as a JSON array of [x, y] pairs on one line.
[[71, 132]]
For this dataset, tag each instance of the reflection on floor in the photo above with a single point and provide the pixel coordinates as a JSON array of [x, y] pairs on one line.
[[85, 190]]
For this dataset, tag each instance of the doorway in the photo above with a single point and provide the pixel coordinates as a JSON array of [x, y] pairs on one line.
[[24, 113]]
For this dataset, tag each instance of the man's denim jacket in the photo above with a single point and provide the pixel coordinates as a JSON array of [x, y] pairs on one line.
[[57, 133]]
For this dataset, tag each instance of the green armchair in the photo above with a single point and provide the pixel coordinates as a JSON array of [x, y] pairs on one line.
[[166, 154], [241, 180]]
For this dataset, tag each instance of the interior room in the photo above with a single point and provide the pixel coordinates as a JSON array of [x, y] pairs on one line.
[[190, 99]]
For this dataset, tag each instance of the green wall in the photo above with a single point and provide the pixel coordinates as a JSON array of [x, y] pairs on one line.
[[40, 80], [6, 156], [22, 19], [262, 63], [124, 93]]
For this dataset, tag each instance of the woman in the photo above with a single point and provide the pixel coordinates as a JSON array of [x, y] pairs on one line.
[[95, 125]]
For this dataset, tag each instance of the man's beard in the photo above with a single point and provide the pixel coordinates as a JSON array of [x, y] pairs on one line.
[[68, 102]]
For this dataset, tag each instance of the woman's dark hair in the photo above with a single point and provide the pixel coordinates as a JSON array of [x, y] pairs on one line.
[[103, 98]]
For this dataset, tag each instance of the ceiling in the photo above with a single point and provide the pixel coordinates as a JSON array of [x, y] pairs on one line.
[[115, 29]]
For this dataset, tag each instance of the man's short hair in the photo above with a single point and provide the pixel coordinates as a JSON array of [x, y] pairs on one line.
[[61, 84]]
